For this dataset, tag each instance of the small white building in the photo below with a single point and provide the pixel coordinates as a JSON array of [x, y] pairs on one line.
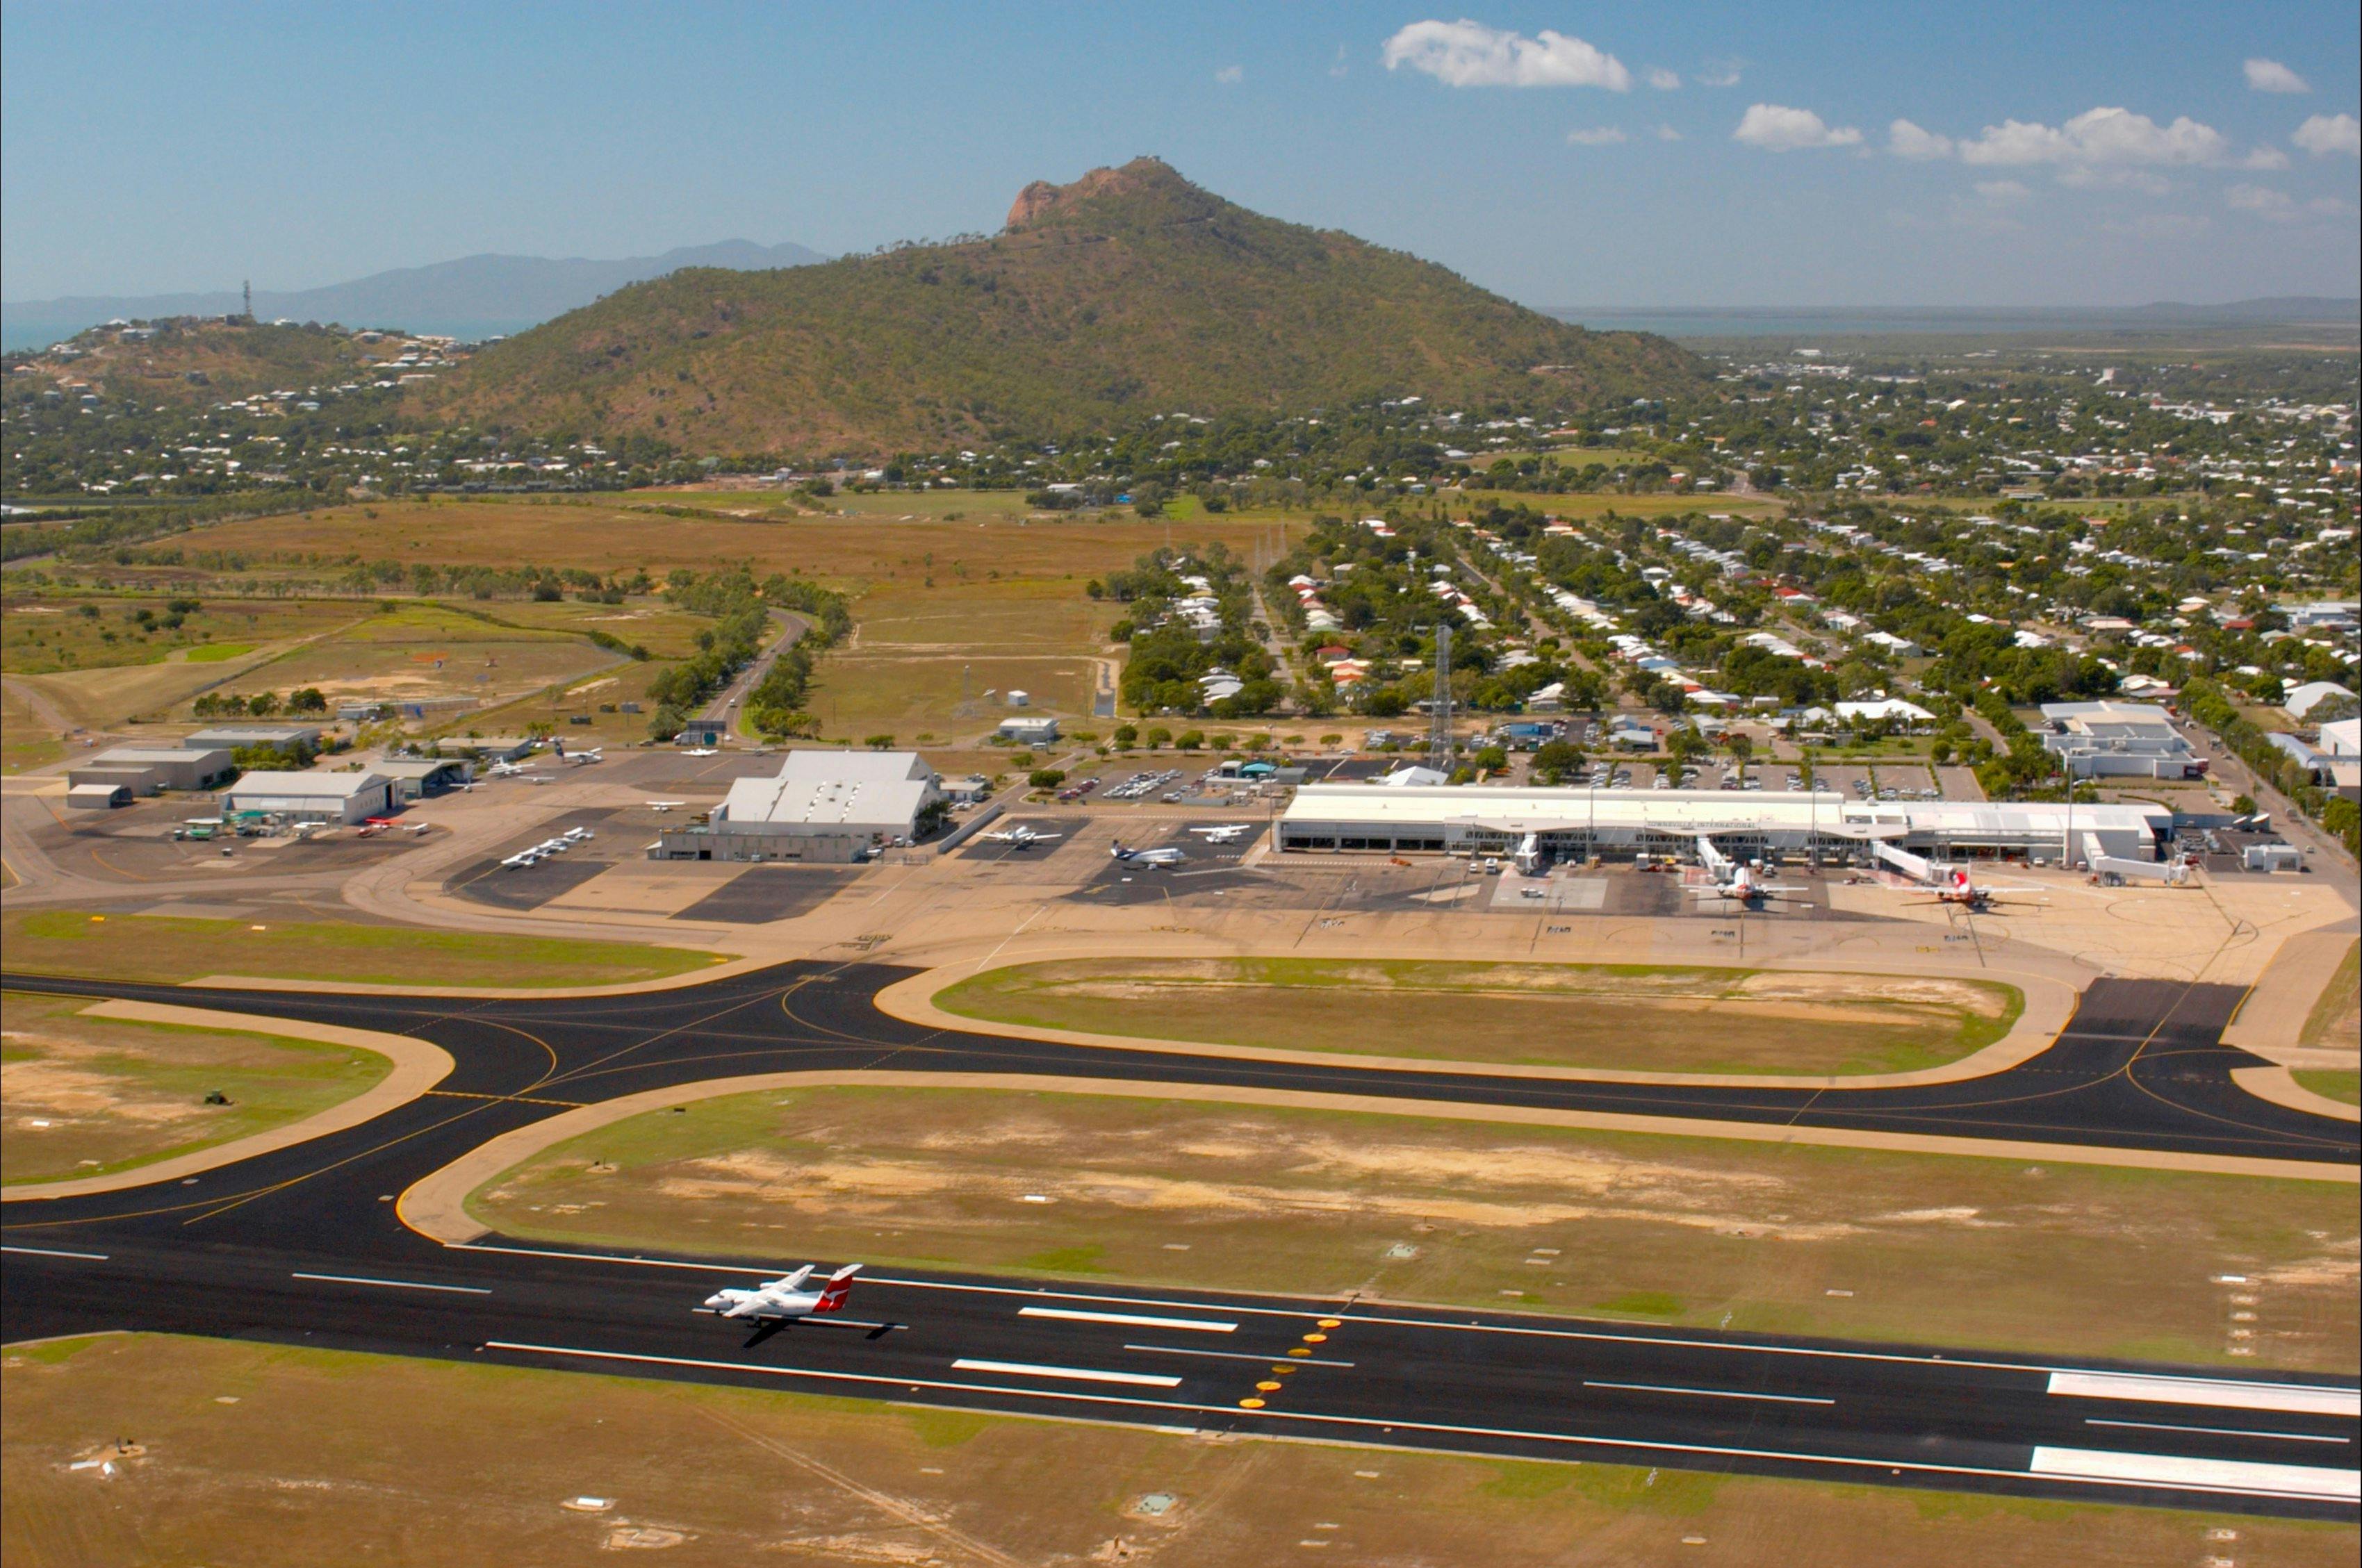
[[1029, 732], [312, 797]]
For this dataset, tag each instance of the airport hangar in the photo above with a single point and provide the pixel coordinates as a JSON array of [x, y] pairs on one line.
[[824, 808], [1575, 824]]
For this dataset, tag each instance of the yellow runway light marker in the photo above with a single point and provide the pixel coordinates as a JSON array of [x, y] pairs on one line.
[[1251, 1403], [1316, 1339], [1332, 1322], [1268, 1386], [1298, 1350]]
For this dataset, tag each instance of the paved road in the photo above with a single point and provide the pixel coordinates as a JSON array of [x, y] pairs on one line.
[[303, 1245]]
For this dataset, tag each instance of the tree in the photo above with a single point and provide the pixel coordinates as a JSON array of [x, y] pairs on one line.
[[306, 700], [1491, 759], [1127, 735], [879, 742], [263, 705], [1738, 745], [1046, 778], [1556, 760]]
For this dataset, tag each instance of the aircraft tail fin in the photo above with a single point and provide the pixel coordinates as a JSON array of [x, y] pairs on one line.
[[839, 1286]]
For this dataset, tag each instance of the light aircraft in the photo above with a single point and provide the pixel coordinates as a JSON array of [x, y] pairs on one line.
[[1228, 832], [595, 755], [1160, 859], [776, 1304], [699, 752], [664, 805], [1733, 880], [510, 770], [1020, 836]]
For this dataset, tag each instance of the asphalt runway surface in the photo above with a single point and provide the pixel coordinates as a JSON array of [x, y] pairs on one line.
[[303, 1245]]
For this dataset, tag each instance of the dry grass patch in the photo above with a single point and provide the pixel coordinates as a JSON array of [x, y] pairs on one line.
[[81, 1096], [168, 948], [2336, 1017], [260, 1455], [2073, 1260], [1613, 1017]]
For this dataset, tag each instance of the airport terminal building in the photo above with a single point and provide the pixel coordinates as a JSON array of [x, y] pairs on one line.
[[824, 808], [1617, 824]]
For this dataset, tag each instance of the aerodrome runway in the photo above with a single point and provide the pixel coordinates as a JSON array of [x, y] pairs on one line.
[[304, 1245]]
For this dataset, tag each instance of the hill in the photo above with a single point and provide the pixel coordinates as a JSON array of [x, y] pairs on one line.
[[473, 297], [1128, 292], [207, 359]]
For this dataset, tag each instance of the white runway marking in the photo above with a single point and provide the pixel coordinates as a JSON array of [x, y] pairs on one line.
[[56, 1252], [2216, 1432], [2223, 1393], [1133, 1320], [1079, 1373], [1712, 1393], [2211, 1475], [394, 1284]]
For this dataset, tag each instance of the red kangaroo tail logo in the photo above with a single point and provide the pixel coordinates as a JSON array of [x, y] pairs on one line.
[[832, 1294]]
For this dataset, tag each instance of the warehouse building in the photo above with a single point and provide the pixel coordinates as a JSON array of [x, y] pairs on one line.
[[147, 769], [2119, 739], [416, 778], [1571, 824], [824, 808], [312, 798], [288, 737]]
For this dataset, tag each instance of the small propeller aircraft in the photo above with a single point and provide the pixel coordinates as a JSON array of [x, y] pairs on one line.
[[1160, 859], [1229, 832], [1021, 836], [595, 755], [777, 1304], [511, 770], [664, 805], [1737, 882]]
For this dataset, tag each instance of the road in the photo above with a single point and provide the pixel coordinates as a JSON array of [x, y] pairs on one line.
[[723, 708], [305, 1246]]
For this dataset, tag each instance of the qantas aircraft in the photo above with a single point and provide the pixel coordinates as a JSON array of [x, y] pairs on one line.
[[776, 1304], [1733, 880]]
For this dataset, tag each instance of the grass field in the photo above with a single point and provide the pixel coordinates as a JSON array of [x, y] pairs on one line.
[[2336, 1017], [270, 1456], [2078, 1260], [2344, 1084], [423, 650], [26, 741], [167, 947], [40, 635], [1666, 1020], [87, 1096]]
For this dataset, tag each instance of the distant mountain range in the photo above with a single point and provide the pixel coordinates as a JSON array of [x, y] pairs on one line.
[[1806, 321], [474, 297], [1128, 293]]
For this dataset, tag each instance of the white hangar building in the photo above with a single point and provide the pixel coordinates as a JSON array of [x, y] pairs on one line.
[[833, 807]]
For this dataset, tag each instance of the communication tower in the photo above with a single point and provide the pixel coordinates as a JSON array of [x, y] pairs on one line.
[[1439, 731]]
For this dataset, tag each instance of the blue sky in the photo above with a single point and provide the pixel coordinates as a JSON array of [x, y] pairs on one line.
[[1666, 154]]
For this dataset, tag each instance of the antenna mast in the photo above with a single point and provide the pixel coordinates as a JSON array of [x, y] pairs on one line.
[[1439, 731], [250, 298]]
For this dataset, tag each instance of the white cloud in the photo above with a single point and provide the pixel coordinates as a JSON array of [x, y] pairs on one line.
[[2324, 134], [2265, 157], [2272, 76], [1721, 72], [1230, 75], [2097, 137], [1598, 135], [2280, 207], [1660, 79], [1775, 128], [1470, 54], [1338, 67], [1998, 191], [2090, 176], [1667, 132], [1905, 139]]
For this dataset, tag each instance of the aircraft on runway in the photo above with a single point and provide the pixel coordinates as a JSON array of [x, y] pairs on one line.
[[776, 1304], [1227, 833], [1160, 859], [1733, 880], [1020, 836], [664, 805]]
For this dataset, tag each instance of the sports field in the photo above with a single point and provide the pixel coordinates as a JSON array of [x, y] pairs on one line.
[[279, 1458], [86, 1096], [169, 948], [2061, 1259], [1616, 1017]]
